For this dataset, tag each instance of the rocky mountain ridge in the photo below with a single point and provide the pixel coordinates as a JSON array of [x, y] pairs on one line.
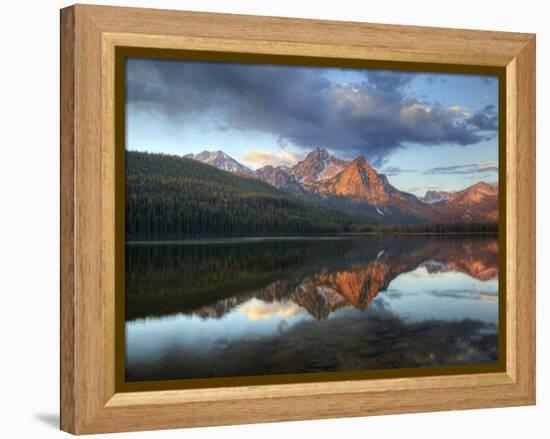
[[356, 187]]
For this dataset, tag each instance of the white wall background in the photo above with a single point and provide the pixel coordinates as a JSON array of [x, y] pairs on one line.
[[29, 218]]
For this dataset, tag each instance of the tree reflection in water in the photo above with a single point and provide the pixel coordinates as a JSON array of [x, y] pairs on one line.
[[303, 305]]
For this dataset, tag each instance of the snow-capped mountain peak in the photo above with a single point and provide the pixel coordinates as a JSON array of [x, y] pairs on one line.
[[221, 160]]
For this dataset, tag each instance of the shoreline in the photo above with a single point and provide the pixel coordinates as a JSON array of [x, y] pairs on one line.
[[251, 239]]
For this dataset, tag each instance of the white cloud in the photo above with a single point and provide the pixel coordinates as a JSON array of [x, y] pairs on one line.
[[256, 159], [488, 166]]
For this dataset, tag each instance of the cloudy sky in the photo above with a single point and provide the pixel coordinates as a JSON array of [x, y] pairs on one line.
[[423, 130]]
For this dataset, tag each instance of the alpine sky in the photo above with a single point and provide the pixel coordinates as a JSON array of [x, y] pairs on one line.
[[423, 130]]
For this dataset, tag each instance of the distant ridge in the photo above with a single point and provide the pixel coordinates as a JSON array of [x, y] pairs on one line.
[[476, 203], [433, 197]]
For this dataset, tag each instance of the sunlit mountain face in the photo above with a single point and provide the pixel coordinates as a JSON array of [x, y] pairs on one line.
[[257, 307], [357, 187]]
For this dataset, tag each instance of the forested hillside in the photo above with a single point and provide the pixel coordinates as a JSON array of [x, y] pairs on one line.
[[170, 197]]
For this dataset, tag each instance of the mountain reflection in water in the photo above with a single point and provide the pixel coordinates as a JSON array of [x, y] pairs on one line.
[[303, 305]]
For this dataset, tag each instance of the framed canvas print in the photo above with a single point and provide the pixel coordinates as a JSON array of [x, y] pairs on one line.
[[267, 219]]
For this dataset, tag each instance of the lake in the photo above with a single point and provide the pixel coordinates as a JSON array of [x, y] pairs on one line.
[[237, 307]]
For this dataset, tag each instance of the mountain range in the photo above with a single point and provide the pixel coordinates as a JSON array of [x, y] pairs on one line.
[[355, 187]]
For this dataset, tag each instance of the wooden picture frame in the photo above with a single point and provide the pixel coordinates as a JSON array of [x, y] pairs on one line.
[[91, 402]]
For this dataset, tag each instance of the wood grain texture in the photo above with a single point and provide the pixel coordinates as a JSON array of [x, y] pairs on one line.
[[89, 327], [525, 220], [89, 37], [67, 254], [511, 216], [342, 39]]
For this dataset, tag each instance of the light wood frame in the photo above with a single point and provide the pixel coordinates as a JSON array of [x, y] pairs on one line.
[[89, 36]]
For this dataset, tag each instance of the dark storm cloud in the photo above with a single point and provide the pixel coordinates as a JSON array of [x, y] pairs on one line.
[[301, 106], [388, 80], [486, 119]]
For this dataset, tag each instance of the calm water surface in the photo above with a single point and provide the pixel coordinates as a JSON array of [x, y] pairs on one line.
[[254, 307]]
